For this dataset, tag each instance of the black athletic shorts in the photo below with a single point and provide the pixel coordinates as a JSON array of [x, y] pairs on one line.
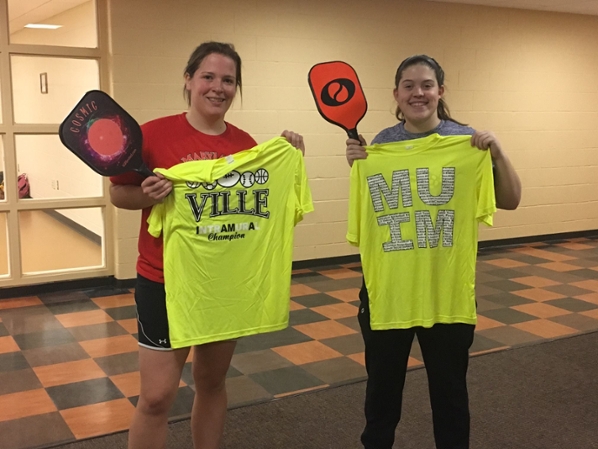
[[152, 319]]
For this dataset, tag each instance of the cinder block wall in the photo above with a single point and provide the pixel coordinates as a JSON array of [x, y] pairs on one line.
[[532, 77]]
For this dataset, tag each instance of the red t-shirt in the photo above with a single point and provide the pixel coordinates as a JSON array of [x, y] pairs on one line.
[[169, 141]]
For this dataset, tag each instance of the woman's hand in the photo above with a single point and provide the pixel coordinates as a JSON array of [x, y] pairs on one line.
[[486, 140], [294, 139], [355, 150], [156, 187]]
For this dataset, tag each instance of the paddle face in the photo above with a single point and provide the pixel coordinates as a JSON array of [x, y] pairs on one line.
[[103, 135], [338, 94]]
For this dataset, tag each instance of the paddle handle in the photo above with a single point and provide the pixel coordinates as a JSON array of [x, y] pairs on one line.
[[353, 134], [144, 171]]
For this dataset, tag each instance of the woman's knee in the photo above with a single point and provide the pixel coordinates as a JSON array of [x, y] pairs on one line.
[[156, 401]]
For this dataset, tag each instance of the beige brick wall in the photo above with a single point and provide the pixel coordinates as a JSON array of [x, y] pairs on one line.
[[532, 77]]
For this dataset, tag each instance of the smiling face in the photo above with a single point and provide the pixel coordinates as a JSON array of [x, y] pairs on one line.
[[417, 95], [212, 87]]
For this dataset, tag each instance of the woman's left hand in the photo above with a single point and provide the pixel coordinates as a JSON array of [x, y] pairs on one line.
[[486, 140], [294, 139]]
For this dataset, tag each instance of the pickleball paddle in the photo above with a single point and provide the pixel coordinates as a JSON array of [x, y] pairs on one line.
[[104, 136], [338, 94]]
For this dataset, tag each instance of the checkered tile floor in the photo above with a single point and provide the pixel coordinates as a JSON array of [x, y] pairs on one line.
[[68, 361]]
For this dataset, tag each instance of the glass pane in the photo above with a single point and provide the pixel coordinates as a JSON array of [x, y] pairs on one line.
[[61, 239], [46, 89], [2, 190], [52, 171], [3, 245], [70, 23]]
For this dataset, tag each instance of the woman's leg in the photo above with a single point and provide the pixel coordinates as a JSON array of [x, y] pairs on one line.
[[445, 349], [210, 365], [160, 376], [386, 357]]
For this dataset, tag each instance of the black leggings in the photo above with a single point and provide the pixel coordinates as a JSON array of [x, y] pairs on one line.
[[445, 350]]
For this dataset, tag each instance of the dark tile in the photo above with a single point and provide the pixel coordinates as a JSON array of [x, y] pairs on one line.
[[304, 316], [576, 321], [13, 361], [508, 316], [243, 391], [510, 336], [315, 300], [563, 278], [183, 403], [303, 278], [122, 313], [336, 371], [584, 263], [96, 331], [258, 361], [16, 381], [332, 284], [347, 344], [482, 277], [55, 354], [357, 269], [508, 299], [482, 290], [524, 258], [567, 290], [52, 337], [356, 303], [508, 273], [61, 308], [285, 380], [504, 285], [35, 432], [586, 274], [59, 297], [84, 393], [481, 343], [259, 342], [350, 322], [484, 304], [572, 304], [29, 319], [187, 374], [3, 331], [105, 291], [119, 363]]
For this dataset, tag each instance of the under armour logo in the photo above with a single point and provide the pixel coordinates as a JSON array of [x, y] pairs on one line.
[[162, 341]]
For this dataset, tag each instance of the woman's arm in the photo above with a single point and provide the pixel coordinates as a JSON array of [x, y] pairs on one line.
[[152, 190], [507, 185]]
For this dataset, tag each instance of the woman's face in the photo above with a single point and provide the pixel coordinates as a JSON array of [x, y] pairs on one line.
[[418, 95], [213, 86]]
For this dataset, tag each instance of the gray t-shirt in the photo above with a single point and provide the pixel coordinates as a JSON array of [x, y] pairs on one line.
[[398, 133]]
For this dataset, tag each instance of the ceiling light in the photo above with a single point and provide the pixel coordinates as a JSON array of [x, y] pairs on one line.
[[43, 26]]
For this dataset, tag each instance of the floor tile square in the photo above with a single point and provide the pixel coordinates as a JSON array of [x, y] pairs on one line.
[[19, 380], [84, 318], [562, 277], [508, 316], [509, 273], [482, 290], [483, 344], [69, 372], [559, 266], [535, 281], [62, 296], [99, 419], [259, 361], [119, 363], [51, 337], [311, 351], [183, 403], [333, 285], [507, 299], [358, 357], [17, 303], [243, 391], [350, 322], [8, 344], [506, 263], [482, 277], [260, 342], [510, 336], [87, 392], [95, 331], [129, 384], [109, 302], [538, 294], [573, 305], [318, 299], [340, 273], [347, 295], [590, 284], [484, 304], [130, 325], [545, 328], [591, 313], [544, 254], [29, 320], [285, 380], [577, 321], [304, 316], [295, 306], [586, 273], [122, 313], [3, 331], [568, 290], [347, 344], [82, 305], [336, 371], [105, 291], [324, 329], [541, 310], [13, 361], [487, 323], [336, 311], [35, 431], [55, 354], [104, 347], [302, 290], [25, 403], [590, 297]]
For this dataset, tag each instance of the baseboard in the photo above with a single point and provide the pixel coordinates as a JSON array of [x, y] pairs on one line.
[[82, 230], [112, 282]]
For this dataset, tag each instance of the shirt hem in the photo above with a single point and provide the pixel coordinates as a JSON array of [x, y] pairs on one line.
[[423, 323], [226, 336]]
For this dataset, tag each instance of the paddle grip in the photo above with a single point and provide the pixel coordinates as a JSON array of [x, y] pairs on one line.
[[144, 171], [352, 133]]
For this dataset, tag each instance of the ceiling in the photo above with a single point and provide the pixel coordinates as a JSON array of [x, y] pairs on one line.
[[22, 12], [571, 6]]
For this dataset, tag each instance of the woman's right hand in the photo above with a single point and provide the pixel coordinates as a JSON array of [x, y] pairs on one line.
[[355, 149], [156, 187]]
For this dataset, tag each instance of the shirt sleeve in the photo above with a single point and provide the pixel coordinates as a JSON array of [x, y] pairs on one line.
[[486, 206], [353, 225], [303, 199]]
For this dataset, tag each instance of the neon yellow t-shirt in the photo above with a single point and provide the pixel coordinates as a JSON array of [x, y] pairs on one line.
[[228, 242], [414, 209]]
